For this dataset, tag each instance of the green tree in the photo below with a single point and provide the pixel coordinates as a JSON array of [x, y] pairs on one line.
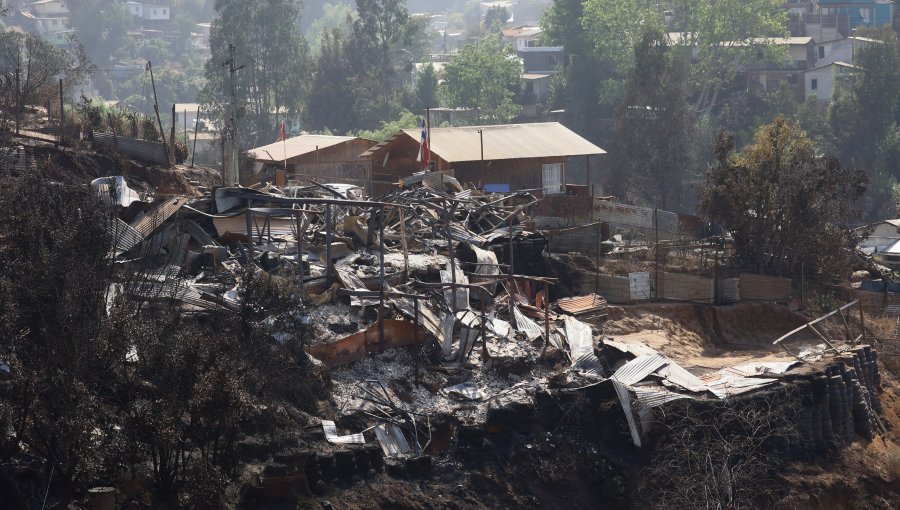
[[484, 76], [426, 87], [330, 97], [334, 16], [782, 203], [495, 18], [101, 27], [653, 126], [267, 87]]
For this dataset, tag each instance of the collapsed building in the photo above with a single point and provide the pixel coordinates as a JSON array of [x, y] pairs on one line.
[[443, 320]]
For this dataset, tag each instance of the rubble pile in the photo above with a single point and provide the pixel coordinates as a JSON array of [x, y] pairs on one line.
[[437, 313]]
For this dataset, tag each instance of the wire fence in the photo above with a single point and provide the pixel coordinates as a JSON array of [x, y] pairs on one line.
[[630, 254]]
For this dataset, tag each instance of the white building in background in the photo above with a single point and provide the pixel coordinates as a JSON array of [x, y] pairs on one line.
[[820, 81], [149, 12], [49, 8]]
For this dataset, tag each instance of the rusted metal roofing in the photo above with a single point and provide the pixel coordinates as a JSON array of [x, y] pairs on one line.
[[508, 141], [582, 304], [296, 146]]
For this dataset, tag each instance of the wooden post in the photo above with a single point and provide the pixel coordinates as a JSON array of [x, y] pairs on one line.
[[381, 279], [329, 229], [512, 258], [18, 101], [862, 321], [62, 114], [403, 244], [172, 135], [162, 133], [196, 127]]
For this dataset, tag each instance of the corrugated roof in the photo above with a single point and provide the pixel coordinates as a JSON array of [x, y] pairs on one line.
[[508, 141], [296, 146], [582, 304], [522, 31], [639, 368]]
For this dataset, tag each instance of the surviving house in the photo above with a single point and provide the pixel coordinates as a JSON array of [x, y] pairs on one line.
[[799, 55], [879, 236], [147, 11], [322, 158], [847, 15], [842, 50], [820, 81], [49, 8], [523, 36], [506, 157], [541, 59]]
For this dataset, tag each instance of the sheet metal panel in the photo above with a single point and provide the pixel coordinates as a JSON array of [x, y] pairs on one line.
[[756, 287], [640, 367], [580, 338], [123, 235], [655, 397], [161, 212], [152, 152]]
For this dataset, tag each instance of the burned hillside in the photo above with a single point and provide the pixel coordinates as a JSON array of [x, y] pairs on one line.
[[170, 342]]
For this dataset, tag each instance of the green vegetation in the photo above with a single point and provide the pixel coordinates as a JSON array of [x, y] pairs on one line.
[[484, 76]]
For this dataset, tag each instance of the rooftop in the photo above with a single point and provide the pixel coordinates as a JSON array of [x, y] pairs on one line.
[[296, 146], [507, 141]]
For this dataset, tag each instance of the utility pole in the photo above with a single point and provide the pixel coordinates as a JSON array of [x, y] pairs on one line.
[[230, 165], [162, 133], [62, 114]]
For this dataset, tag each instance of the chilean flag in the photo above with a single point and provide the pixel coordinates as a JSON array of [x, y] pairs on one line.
[[423, 147]]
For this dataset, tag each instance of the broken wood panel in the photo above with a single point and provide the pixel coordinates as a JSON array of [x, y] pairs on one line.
[[397, 333]]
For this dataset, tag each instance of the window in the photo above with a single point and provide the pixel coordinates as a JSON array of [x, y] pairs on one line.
[[552, 178], [864, 14], [821, 51], [814, 84], [154, 12]]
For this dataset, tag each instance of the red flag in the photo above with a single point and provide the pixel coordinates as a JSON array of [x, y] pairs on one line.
[[283, 133]]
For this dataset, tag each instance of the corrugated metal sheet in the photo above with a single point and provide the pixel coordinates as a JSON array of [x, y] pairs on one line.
[[509, 141], [152, 152], [637, 349], [226, 202], [580, 338], [624, 395], [332, 436], [161, 212], [123, 235], [634, 217], [462, 234], [639, 368], [676, 374], [655, 397], [296, 146], [756, 287], [728, 382], [526, 325], [391, 439], [582, 304], [237, 224], [752, 368], [729, 290]]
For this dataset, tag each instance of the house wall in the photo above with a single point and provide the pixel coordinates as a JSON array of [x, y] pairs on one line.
[[882, 236], [519, 174], [824, 83], [338, 163], [50, 9]]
